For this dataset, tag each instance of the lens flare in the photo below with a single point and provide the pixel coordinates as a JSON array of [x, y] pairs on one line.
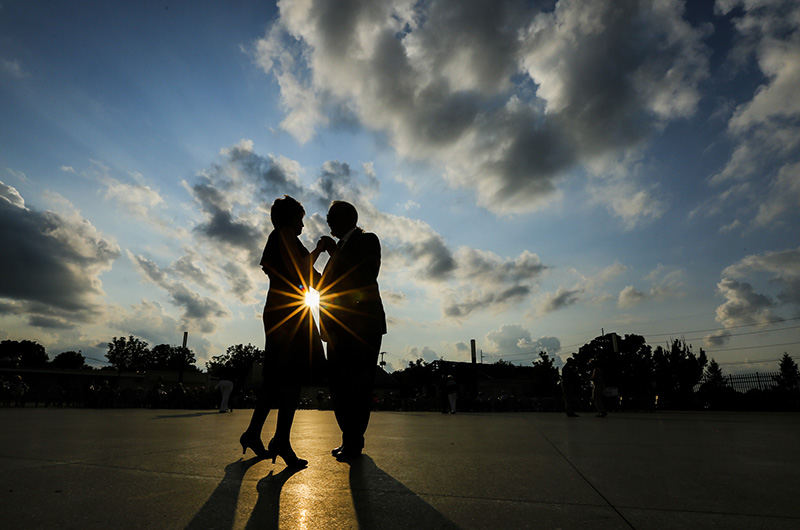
[[312, 299]]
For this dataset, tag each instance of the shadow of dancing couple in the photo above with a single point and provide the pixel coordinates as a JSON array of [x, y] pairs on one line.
[[351, 321]]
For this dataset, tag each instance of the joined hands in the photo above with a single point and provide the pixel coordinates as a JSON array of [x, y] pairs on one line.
[[326, 243]]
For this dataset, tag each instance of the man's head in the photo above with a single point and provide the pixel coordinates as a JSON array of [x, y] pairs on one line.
[[342, 217]]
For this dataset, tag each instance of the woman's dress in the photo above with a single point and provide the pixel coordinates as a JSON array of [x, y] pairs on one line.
[[293, 352]]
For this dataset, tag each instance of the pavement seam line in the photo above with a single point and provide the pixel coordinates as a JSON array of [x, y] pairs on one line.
[[578, 471], [711, 512]]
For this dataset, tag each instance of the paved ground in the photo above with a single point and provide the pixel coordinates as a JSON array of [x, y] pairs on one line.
[[173, 469]]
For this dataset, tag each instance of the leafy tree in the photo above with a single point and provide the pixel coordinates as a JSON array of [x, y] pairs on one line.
[[128, 354], [601, 351], [181, 359], [713, 378], [26, 353], [545, 375], [69, 360], [166, 357], [159, 357], [235, 363], [677, 371], [789, 378]]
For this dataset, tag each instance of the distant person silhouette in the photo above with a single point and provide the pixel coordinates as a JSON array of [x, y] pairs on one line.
[[569, 387], [352, 322], [293, 348], [598, 389], [452, 392], [225, 387]]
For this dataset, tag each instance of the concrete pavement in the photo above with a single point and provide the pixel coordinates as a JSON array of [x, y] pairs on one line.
[[80, 468]]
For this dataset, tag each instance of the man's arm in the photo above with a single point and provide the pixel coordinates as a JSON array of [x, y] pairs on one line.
[[370, 257]]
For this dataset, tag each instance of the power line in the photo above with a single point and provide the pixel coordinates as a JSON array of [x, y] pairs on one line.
[[686, 332], [749, 333], [777, 321], [523, 355], [753, 362], [755, 347]]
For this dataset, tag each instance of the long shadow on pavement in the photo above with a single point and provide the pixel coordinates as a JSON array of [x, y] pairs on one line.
[[219, 510], [266, 513], [382, 502]]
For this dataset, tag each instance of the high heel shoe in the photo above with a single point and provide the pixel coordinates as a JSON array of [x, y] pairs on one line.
[[254, 443], [285, 451]]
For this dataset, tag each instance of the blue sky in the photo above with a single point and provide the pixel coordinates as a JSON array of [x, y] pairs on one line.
[[535, 171]]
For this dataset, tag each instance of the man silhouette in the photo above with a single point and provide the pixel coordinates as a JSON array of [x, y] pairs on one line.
[[352, 322]]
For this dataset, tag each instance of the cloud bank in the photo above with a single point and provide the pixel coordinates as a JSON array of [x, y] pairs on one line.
[[52, 264], [505, 97]]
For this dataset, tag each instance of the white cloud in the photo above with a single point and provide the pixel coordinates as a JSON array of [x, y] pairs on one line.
[[632, 205], [201, 311], [744, 305], [234, 195], [766, 128], [11, 196], [149, 321], [138, 200], [13, 68], [664, 282], [630, 296], [561, 299], [504, 97], [513, 340]]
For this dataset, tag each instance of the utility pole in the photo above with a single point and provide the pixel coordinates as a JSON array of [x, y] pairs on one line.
[[382, 363], [183, 356]]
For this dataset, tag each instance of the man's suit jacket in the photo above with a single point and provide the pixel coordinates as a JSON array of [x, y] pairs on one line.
[[349, 291]]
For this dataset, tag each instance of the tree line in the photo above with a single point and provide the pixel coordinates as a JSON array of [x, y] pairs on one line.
[[123, 354], [670, 376]]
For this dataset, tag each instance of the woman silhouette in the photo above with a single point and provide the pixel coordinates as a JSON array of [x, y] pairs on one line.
[[293, 349]]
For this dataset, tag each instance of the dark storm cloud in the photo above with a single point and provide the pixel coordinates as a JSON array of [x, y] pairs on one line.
[[51, 264], [507, 96]]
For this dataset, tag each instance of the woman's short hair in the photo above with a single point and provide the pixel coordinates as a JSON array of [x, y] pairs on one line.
[[285, 210]]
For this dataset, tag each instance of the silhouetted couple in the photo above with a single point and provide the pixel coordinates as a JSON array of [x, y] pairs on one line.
[[352, 323]]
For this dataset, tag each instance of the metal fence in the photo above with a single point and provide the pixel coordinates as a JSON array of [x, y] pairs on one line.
[[750, 381]]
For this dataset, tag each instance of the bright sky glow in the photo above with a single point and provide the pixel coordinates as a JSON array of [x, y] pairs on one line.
[[312, 299], [535, 171]]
